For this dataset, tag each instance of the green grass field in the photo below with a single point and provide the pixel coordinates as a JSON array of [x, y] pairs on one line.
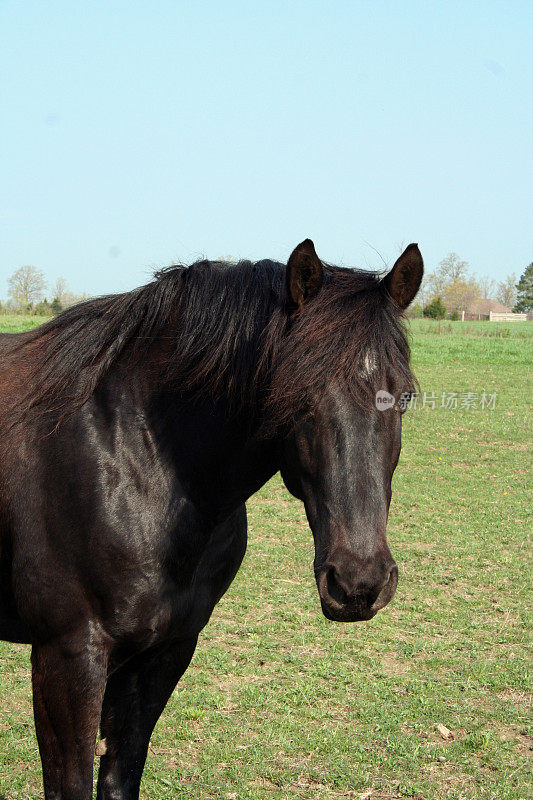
[[14, 323], [280, 703]]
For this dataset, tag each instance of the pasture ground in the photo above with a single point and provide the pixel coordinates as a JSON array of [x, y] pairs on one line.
[[280, 703]]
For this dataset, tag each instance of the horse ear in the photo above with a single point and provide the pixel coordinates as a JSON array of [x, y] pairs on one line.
[[304, 274], [403, 281]]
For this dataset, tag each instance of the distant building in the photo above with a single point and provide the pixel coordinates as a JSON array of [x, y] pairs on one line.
[[492, 310], [484, 307]]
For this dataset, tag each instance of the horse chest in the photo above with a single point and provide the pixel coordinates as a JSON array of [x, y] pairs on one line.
[[217, 565], [174, 595]]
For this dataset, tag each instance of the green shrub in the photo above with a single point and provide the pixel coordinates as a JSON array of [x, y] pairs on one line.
[[42, 309], [436, 309]]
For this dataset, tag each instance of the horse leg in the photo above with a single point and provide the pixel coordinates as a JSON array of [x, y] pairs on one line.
[[68, 678], [135, 696]]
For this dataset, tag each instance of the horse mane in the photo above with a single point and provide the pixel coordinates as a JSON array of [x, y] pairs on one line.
[[226, 332]]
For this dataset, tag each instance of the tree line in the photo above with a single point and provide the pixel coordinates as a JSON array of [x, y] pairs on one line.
[[27, 294], [447, 291], [451, 288]]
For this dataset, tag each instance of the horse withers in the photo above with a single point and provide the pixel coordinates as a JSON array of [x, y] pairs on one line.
[[133, 429]]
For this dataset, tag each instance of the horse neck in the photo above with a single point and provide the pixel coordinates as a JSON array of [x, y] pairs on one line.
[[223, 457]]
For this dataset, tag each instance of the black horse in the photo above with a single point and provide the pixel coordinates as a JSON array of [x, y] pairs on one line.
[[133, 428]]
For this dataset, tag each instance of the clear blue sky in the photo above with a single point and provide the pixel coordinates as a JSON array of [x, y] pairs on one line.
[[135, 135]]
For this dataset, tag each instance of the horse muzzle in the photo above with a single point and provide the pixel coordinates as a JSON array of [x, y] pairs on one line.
[[353, 591]]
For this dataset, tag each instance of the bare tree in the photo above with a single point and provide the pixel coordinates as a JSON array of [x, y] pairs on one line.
[[424, 293], [452, 268], [434, 285], [449, 270], [26, 286], [59, 291], [506, 291], [486, 287]]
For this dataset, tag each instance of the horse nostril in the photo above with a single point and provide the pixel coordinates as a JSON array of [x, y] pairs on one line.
[[335, 590], [393, 575], [387, 590]]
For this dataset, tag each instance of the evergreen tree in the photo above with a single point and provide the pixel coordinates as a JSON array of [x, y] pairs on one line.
[[56, 306], [524, 290], [436, 309], [43, 309]]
